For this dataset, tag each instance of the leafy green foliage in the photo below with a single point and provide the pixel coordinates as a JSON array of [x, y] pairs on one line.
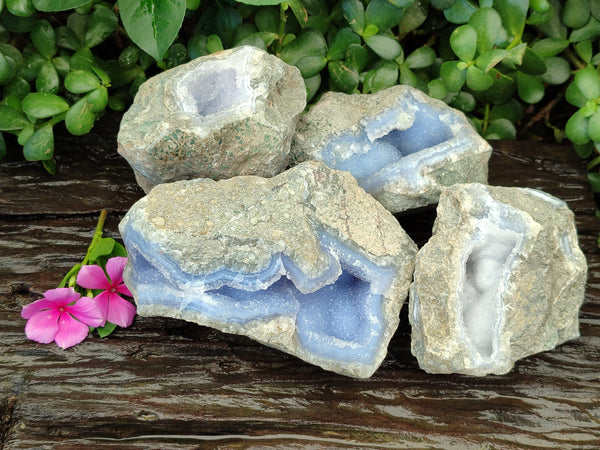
[[498, 61]]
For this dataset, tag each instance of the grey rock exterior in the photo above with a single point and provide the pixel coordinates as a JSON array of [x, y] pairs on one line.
[[402, 146], [225, 114], [220, 254], [502, 278]]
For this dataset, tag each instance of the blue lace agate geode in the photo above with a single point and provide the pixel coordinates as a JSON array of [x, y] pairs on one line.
[[306, 262], [402, 146]]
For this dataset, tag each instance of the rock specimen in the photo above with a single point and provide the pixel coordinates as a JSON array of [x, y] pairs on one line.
[[402, 146], [226, 114], [306, 262], [502, 278]]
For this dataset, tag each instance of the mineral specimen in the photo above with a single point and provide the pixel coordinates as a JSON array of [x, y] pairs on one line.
[[502, 278], [306, 262], [402, 146], [225, 114]]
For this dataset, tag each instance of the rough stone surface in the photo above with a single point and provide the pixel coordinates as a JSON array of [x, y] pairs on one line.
[[402, 146], [225, 114], [306, 262], [510, 285]]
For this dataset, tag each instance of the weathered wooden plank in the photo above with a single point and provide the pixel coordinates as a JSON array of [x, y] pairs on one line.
[[164, 383]]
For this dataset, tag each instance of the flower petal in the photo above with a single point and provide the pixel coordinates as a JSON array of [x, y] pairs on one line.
[[62, 296], [92, 277], [120, 311], [87, 311], [114, 268], [102, 304], [70, 331], [123, 289], [37, 306], [43, 326]]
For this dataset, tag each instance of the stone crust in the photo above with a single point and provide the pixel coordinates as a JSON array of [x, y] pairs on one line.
[[542, 287], [415, 180], [241, 122], [308, 213]]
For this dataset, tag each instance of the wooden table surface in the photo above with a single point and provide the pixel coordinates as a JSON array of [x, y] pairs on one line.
[[164, 383]]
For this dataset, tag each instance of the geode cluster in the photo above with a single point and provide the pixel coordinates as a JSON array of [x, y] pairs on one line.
[[310, 260]]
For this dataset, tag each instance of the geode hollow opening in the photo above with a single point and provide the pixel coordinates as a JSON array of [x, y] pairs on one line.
[[501, 278], [402, 146]]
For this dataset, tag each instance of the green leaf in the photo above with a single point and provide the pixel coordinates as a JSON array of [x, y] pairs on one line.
[[460, 12], [40, 146], [381, 78], [464, 101], [7, 68], [414, 16], [58, 5], [559, 71], [41, 105], [385, 47], [530, 88], [47, 79], [487, 23], [575, 13], [20, 8], [588, 82], [436, 89], [43, 38], [311, 65], [106, 330], [500, 129], [356, 56], [82, 59], [343, 76], [313, 84], [510, 110], [66, 38], [549, 47], [152, 24], [11, 119], [18, 88], [25, 134], [453, 78], [594, 180], [354, 12], [589, 31], [382, 14], [463, 41], [80, 119], [421, 58], [309, 43], [227, 21], [103, 247], [490, 59], [532, 63], [214, 44], [594, 127], [81, 81], [118, 250], [513, 14], [576, 128], [370, 30], [584, 50], [129, 57], [574, 96], [103, 22], [342, 39], [478, 80], [97, 99], [267, 20]]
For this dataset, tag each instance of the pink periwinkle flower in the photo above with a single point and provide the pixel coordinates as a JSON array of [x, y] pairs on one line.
[[114, 308], [62, 316]]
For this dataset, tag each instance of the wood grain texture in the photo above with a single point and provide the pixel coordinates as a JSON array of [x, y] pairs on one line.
[[164, 383]]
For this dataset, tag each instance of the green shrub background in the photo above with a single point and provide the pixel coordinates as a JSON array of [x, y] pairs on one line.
[[526, 69]]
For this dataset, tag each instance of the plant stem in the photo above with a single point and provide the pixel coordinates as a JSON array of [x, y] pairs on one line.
[[486, 119], [97, 236]]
